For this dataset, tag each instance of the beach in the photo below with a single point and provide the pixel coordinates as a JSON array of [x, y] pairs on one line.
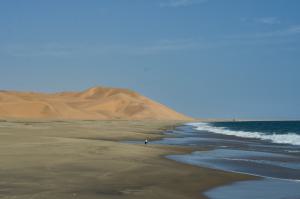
[[91, 159], [161, 99], [268, 150]]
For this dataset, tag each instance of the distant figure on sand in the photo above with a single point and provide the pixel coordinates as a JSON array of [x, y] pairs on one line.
[[146, 141]]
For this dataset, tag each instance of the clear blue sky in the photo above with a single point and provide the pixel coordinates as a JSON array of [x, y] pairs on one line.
[[205, 58]]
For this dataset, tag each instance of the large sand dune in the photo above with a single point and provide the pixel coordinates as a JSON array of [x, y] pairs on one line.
[[97, 103]]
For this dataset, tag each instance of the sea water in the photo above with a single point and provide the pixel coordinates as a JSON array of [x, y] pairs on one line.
[[281, 132], [269, 149]]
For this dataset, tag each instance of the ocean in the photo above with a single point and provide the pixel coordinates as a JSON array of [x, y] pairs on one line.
[[282, 132], [269, 150]]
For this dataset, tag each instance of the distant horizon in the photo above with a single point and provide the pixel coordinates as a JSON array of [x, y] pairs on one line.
[[203, 58]]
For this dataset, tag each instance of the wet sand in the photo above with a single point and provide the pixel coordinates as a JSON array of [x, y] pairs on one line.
[[85, 159]]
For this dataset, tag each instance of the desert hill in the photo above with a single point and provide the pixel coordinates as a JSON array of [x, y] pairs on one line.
[[97, 103]]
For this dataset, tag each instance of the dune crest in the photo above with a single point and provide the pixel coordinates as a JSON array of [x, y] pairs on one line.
[[97, 103]]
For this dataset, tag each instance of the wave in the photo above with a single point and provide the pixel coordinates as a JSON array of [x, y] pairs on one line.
[[289, 138]]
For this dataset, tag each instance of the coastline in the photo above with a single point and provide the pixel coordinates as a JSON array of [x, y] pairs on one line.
[[85, 159], [276, 166]]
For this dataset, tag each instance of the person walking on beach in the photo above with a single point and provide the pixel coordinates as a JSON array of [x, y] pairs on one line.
[[146, 141]]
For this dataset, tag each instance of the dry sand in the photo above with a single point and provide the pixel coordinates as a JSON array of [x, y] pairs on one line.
[[98, 103], [84, 159]]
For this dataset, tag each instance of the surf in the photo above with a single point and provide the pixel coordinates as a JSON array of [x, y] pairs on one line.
[[288, 138]]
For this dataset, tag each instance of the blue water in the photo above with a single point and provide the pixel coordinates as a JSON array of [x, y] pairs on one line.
[[282, 132], [267, 127], [269, 150], [258, 189]]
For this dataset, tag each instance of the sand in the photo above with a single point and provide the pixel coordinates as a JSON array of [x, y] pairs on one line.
[[97, 103], [85, 159]]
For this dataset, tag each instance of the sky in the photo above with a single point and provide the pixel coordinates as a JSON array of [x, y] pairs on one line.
[[204, 58]]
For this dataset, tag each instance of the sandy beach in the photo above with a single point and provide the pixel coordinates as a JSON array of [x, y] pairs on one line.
[[85, 159], [157, 99]]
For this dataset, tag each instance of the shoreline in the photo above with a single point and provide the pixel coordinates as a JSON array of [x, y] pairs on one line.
[[86, 159], [272, 165], [232, 177]]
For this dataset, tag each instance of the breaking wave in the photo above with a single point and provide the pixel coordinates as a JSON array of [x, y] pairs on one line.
[[288, 138]]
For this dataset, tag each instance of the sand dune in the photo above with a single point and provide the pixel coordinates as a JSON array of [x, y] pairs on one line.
[[97, 103]]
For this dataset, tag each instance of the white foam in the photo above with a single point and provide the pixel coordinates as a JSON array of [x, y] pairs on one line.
[[290, 138]]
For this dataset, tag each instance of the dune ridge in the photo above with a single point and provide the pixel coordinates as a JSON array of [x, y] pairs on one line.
[[97, 103]]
